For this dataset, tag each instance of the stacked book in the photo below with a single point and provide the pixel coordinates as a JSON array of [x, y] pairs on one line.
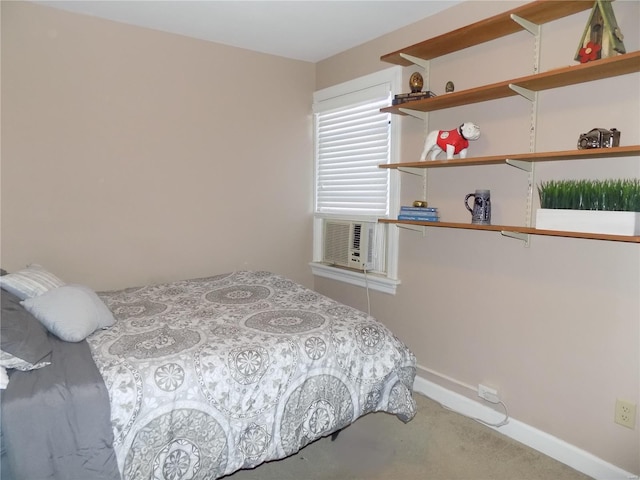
[[421, 214], [409, 97]]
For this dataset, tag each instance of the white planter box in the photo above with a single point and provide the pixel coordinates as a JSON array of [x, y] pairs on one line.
[[590, 221]]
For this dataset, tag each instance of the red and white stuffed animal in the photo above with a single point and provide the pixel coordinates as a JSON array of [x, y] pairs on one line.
[[450, 141]]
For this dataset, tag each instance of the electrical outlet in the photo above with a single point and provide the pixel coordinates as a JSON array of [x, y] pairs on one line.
[[625, 414], [488, 393]]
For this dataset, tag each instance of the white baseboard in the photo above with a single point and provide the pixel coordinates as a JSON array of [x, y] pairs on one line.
[[551, 446]]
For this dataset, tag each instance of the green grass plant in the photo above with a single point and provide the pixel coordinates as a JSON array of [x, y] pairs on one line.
[[613, 195]]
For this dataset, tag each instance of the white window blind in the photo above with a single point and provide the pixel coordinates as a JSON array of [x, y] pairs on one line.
[[352, 138]]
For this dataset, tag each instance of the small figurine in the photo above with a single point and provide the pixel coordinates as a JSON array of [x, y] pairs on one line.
[[450, 141], [599, 138], [449, 87], [416, 82], [602, 37]]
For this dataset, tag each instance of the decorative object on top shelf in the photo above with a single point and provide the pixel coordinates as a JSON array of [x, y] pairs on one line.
[[599, 138], [420, 203], [591, 51], [481, 211], [594, 206], [602, 37], [449, 87], [416, 82], [452, 142]]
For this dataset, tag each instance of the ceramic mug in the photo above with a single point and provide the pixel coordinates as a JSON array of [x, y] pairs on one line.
[[481, 211]]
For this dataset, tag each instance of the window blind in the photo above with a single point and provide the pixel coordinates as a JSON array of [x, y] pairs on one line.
[[351, 141]]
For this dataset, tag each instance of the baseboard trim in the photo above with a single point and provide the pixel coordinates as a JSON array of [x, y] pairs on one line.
[[551, 446]]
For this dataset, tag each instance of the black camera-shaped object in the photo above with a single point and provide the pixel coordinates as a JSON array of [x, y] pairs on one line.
[[599, 138]]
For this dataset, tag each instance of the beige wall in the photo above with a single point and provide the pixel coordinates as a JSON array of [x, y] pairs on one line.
[[555, 326], [132, 156]]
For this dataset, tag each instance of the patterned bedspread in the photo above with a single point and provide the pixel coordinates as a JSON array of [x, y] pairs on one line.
[[212, 375]]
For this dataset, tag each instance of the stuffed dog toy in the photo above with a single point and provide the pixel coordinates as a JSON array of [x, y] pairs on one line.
[[450, 141]]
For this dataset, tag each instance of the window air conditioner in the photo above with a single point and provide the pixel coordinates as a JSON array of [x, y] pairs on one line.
[[348, 244]]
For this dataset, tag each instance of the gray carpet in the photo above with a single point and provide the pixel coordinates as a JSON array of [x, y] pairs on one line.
[[436, 445]]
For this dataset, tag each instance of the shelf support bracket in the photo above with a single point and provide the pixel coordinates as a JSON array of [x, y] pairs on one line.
[[522, 165], [532, 28], [523, 92], [414, 228], [415, 113], [413, 170], [421, 62], [525, 237]]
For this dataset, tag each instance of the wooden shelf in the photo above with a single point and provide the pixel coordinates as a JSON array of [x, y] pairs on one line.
[[625, 151], [515, 229], [559, 77], [527, 17], [498, 26]]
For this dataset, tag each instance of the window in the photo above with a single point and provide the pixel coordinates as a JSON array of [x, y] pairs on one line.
[[352, 137]]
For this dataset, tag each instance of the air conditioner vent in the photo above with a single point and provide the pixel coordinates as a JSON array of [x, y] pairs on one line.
[[357, 228], [336, 241], [347, 244]]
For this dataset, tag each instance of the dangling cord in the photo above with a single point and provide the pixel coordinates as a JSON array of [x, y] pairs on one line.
[[479, 420], [499, 424], [366, 285]]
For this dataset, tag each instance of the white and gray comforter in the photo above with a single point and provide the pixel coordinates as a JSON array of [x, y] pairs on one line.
[[209, 376]]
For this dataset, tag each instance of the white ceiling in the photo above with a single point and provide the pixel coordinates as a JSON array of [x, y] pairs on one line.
[[309, 30]]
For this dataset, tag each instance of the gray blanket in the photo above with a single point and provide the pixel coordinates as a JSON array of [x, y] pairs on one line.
[[56, 420]]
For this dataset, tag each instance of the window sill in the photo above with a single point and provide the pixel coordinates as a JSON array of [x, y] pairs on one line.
[[373, 281]]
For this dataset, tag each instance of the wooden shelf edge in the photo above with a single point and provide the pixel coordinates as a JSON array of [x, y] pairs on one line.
[[559, 77], [516, 229], [497, 26], [560, 155]]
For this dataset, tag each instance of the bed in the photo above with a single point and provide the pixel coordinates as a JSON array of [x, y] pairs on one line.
[[204, 377]]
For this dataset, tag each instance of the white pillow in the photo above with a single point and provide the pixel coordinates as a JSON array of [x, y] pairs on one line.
[[30, 282], [71, 312]]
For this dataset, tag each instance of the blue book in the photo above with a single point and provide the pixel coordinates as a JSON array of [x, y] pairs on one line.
[[418, 209], [419, 214], [419, 218]]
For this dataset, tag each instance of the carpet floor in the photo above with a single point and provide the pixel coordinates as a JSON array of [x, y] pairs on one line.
[[436, 445]]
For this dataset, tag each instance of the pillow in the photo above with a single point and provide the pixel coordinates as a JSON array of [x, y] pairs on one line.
[[71, 312], [22, 336], [30, 282]]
